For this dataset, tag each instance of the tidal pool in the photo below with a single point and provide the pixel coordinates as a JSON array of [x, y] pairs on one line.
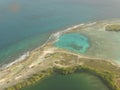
[[73, 42], [76, 81]]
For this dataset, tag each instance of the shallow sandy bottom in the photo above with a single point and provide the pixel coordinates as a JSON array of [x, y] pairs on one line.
[[103, 44], [104, 47]]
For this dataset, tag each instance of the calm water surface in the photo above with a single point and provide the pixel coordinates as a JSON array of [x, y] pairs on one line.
[[74, 42], [26, 24], [81, 81]]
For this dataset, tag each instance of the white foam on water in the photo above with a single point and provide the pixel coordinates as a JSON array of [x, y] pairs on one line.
[[21, 58], [54, 35], [58, 34]]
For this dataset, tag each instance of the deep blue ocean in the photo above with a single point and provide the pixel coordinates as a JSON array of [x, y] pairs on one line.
[[27, 24]]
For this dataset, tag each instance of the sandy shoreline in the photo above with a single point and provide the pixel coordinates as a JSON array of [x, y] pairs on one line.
[[54, 35], [28, 64]]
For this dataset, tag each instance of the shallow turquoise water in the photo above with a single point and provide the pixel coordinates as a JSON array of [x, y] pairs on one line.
[[82, 81], [10, 53], [26, 24], [73, 42]]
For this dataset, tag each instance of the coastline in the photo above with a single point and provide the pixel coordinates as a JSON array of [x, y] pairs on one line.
[[55, 35], [42, 57], [77, 66], [62, 71]]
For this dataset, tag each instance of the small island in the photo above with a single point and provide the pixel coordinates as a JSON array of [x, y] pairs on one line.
[[113, 28], [50, 59]]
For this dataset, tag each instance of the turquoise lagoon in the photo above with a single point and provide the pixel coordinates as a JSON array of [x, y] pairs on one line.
[[73, 42], [92, 42], [27, 24]]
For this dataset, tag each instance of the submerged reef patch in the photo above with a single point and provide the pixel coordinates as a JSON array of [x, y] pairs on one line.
[[73, 42]]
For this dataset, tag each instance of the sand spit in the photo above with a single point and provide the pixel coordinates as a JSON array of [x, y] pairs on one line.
[[48, 56]]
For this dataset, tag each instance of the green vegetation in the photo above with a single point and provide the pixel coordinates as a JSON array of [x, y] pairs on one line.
[[31, 80], [65, 63], [112, 28], [106, 77]]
